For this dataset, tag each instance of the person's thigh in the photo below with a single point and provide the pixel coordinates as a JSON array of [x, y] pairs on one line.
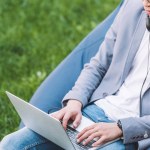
[[95, 113], [26, 139]]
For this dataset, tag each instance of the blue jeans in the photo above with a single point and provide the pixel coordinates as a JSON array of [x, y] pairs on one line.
[[26, 139]]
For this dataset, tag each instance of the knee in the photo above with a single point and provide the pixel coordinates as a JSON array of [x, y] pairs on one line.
[[21, 139], [16, 140], [8, 142]]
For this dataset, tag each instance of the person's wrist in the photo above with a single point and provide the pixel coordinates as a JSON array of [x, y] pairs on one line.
[[74, 102]]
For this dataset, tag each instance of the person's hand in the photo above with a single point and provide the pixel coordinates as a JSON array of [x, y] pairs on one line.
[[104, 132], [72, 111]]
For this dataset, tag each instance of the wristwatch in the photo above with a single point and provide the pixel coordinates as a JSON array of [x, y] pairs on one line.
[[119, 124]]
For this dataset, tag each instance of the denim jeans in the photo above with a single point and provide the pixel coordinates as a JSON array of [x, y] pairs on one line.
[[26, 139]]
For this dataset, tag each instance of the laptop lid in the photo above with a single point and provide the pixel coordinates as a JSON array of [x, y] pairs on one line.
[[41, 122]]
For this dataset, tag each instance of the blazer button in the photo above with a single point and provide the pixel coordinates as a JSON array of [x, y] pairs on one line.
[[105, 94], [145, 135]]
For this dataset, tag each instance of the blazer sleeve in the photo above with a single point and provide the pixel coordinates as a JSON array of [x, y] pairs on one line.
[[144, 144], [93, 72], [136, 130]]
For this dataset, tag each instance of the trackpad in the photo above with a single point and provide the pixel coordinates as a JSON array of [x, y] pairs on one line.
[[85, 122]]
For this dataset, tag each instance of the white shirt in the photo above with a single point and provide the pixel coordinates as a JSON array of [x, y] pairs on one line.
[[126, 102]]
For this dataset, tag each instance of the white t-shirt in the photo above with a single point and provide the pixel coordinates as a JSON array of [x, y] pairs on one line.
[[126, 102]]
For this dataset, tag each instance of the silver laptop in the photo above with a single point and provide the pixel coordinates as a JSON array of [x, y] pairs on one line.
[[49, 127]]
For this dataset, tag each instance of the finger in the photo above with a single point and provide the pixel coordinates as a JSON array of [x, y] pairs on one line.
[[77, 121], [86, 135], [99, 142], [85, 130], [53, 114], [65, 120], [91, 137], [58, 115]]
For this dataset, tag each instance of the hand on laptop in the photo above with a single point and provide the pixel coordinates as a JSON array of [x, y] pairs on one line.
[[104, 132], [72, 111]]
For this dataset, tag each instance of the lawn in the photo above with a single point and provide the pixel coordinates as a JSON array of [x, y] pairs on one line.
[[35, 36]]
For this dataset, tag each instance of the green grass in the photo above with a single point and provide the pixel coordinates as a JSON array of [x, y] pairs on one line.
[[35, 35]]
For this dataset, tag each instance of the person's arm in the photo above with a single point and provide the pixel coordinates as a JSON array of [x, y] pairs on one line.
[[68, 113], [136, 129], [93, 72], [144, 144], [90, 77]]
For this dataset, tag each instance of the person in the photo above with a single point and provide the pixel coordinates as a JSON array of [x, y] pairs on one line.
[[112, 90]]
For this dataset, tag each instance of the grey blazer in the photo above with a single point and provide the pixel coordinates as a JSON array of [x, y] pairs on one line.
[[107, 71]]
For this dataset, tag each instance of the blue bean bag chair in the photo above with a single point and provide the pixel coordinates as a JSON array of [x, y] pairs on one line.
[[50, 93]]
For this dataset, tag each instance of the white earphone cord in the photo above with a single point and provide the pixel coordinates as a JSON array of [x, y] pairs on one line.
[[148, 70]]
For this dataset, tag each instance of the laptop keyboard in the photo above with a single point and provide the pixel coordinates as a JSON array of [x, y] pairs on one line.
[[72, 133]]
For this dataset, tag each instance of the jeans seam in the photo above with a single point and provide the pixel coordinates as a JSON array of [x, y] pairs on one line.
[[34, 144]]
